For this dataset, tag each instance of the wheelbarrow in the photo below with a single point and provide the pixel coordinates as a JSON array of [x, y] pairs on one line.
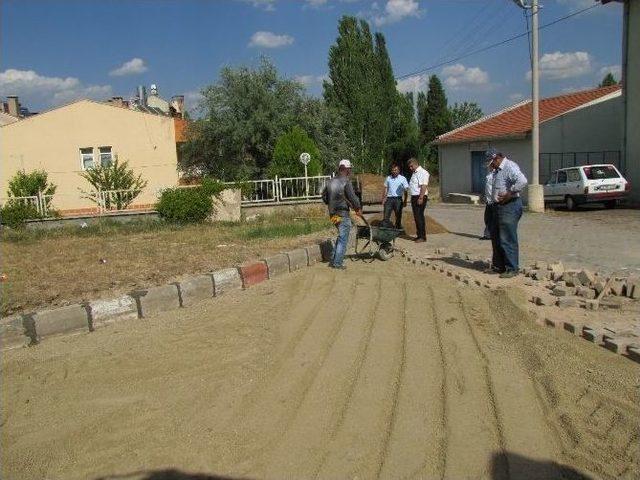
[[376, 241]]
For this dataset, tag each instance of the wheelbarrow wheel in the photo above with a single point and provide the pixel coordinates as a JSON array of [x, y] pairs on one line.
[[385, 252]]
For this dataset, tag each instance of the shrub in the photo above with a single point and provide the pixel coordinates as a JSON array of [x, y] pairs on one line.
[[115, 176], [15, 213], [189, 205], [30, 185], [286, 155]]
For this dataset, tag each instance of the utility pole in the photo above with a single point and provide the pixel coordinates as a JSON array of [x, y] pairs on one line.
[[535, 190]]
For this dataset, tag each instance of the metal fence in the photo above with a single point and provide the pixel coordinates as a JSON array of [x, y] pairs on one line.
[[100, 202], [550, 162]]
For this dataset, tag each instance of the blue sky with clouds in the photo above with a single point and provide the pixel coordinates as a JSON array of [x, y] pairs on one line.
[[55, 51]]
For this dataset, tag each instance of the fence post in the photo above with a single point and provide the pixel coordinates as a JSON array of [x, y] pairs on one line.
[[40, 204], [276, 189]]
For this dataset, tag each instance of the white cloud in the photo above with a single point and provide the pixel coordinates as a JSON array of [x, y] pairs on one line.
[[516, 97], [192, 100], [316, 3], [35, 88], [309, 80], [135, 66], [616, 70], [563, 65], [396, 10], [270, 40], [268, 5], [459, 77], [416, 82]]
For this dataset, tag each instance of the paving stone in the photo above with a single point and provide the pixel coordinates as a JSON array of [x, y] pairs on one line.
[[457, 255], [632, 284], [592, 304], [598, 286], [314, 255], [226, 280], [12, 332], [556, 268], [560, 291], [566, 302], [586, 292], [544, 300], [441, 251], [573, 326], [633, 352], [156, 300], [253, 273], [586, 277], [593, 334], [71, 318], [277, 265], [541, 265], [478, 282], [617, 288], [107, 311], [326, 248], [458, 276], [297, 259], [466, 280], [196, 289], [570, 279], [529, 282], [553, 322], [540, 275], [611, 303], [618, 344]]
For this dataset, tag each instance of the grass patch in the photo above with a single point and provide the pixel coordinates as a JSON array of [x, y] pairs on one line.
[[58, 266]]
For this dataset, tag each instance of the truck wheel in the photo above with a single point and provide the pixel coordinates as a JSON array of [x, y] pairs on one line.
[[570, 203]]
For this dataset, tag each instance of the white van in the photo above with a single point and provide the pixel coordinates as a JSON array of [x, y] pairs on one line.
[[586, 184]]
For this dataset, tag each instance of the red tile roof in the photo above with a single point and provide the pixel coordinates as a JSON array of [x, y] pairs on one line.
[[515, 121]]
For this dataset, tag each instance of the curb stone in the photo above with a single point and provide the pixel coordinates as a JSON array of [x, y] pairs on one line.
[[12, 332], [226, 280], [297, 259], [102, 312], [196, 289], [253, 273], [157, 300], [314, 254], [277, 265], [72, 318]]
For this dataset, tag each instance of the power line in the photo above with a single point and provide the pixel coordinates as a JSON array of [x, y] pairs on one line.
[[494, 45]]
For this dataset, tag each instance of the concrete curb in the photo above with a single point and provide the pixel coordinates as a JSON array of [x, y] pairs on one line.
[[314, 255], [196, 289], [157, 299], [298, 259], [69, 319], [226, 280], [102, 312], [277, 265], [253, 273]]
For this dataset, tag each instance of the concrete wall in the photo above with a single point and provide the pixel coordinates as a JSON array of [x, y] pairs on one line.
[[51, 141], [632, 95]]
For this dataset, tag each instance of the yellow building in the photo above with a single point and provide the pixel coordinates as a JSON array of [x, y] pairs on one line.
[[70, 139]]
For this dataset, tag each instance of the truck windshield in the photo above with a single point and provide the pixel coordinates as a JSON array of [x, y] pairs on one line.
[[598, 173]]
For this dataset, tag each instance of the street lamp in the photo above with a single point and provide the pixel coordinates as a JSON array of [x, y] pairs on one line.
[[535, 190]]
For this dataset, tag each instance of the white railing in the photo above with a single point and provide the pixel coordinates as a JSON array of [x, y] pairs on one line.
[[116, 200], [301, 188], [36, 201], [257, 191]]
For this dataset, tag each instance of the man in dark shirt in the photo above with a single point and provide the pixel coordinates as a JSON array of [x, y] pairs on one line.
[[339, 195]]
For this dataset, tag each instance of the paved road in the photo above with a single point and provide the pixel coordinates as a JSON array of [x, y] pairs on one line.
[[382, 371], [603, 240]]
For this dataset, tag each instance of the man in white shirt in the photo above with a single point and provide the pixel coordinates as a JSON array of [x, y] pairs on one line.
[[418, 191], [395, 195]]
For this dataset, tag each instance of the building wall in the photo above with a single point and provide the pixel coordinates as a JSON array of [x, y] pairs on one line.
[[632, 93], [51, 141]]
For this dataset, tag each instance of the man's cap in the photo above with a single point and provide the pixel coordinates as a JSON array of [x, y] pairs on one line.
[[491, 153], [344, 163]]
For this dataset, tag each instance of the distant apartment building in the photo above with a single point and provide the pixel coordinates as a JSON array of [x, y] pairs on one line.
[[73, 138]]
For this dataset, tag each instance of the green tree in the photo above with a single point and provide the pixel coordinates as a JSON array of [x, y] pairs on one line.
[[437, 119], [244, 114], [30, 184], [114, 176], [422, 116], [608, 80], [463, 113], [286, 155]]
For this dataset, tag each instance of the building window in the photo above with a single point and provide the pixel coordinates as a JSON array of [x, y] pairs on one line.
[[105, 156], [86, 158]]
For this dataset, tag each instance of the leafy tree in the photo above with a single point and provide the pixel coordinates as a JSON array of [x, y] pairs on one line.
[[115, 176], [463, 113], [24, 184], [244, 114], [437, 119], [286, 155], [608, 80], [422, 115]]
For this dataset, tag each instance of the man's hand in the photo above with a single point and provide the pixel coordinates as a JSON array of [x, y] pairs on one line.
[[420, 200], [505, 197], [359, 213]]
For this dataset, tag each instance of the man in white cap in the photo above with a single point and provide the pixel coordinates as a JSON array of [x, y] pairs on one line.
[[339, 196]]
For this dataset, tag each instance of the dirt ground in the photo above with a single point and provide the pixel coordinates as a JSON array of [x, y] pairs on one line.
[[382, 371]]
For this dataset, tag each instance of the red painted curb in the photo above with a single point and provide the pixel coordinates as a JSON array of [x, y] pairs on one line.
[[253, 273]]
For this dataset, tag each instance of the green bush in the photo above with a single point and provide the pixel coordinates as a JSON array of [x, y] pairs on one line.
[[115, 176], [189, 205], [30, 184], [15, 214], [286, 155]]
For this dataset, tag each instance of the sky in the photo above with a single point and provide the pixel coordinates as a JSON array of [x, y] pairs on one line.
[[54, 51]]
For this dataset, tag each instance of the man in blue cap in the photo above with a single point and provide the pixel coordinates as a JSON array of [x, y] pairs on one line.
[[507, 182]]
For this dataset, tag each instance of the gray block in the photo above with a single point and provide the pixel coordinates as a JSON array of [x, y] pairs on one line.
[[297, 259], [277, 265], [72, 318], [107, 311], [618, 288], [544, 300], [593, 335], [586, 277], [157, 300], [196, 289], [326, 248], [314, 255], [561, 291], [12, 332], [226, 280], [565, 302], [591, 304], [573, 327], [618, 344], [633, 352], [586, 292]]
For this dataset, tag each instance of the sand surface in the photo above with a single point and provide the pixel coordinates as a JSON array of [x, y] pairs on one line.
[[382, 371]]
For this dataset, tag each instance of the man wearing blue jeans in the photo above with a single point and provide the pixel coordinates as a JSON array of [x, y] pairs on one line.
[[338, 195], [507, 181]]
